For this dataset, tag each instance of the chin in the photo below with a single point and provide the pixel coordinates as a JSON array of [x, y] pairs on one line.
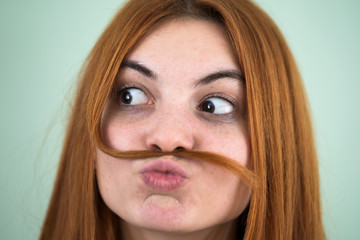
[[168, 216]]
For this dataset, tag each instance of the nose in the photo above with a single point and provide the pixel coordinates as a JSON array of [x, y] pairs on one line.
[[169, 133]]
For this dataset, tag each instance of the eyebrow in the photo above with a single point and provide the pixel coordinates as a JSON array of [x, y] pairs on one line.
[[203, 81], [139, 68], [219, 75]]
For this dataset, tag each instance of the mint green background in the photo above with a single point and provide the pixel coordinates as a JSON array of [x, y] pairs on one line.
[[44, 43]]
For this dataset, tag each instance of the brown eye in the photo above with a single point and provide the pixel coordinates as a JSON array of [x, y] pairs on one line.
[[126, 97], [208, 106], [217, 105], [133, 96]]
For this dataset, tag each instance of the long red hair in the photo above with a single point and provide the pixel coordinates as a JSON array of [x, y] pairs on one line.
[[285, 202]]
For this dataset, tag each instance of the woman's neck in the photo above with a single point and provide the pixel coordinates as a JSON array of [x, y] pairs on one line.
[[226, 231]]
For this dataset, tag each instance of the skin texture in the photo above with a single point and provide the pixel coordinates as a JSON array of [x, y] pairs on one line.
[[168, 111]]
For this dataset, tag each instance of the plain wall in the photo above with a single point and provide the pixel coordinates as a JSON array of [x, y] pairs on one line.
[[44, 43]]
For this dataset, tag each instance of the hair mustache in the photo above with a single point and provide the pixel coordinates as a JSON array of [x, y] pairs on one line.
[[246, 175]]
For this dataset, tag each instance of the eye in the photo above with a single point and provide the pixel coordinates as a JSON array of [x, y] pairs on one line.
[[132, 96], [216, 105]]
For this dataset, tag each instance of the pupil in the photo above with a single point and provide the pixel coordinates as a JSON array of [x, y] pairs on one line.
[[126, 97], [208, 107]]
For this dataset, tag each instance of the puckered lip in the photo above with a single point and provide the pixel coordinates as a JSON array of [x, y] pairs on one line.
[[163, 174], [164, 166]]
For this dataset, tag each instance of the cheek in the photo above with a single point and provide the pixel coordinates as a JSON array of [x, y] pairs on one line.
[[233, 143], [122, 136], [105, 173], [112, 179], [220, 182], [225, 193]]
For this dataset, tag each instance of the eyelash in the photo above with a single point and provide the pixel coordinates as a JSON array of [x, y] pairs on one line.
[[128, 107], [123, 87], [219, 95], [224, 97]]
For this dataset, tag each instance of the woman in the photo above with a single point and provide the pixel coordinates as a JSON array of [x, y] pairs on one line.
[[171, 91]]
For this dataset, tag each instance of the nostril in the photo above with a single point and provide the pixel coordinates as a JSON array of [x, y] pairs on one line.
[[156, 148], [165, 140], [179, 149]]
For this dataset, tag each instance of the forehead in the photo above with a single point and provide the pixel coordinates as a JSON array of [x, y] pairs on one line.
[[186, 42]]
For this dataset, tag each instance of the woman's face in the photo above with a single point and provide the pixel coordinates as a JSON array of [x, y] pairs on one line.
[[179, 88]]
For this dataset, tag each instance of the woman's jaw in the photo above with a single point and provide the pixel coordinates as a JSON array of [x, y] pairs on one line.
[[193, 100]]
